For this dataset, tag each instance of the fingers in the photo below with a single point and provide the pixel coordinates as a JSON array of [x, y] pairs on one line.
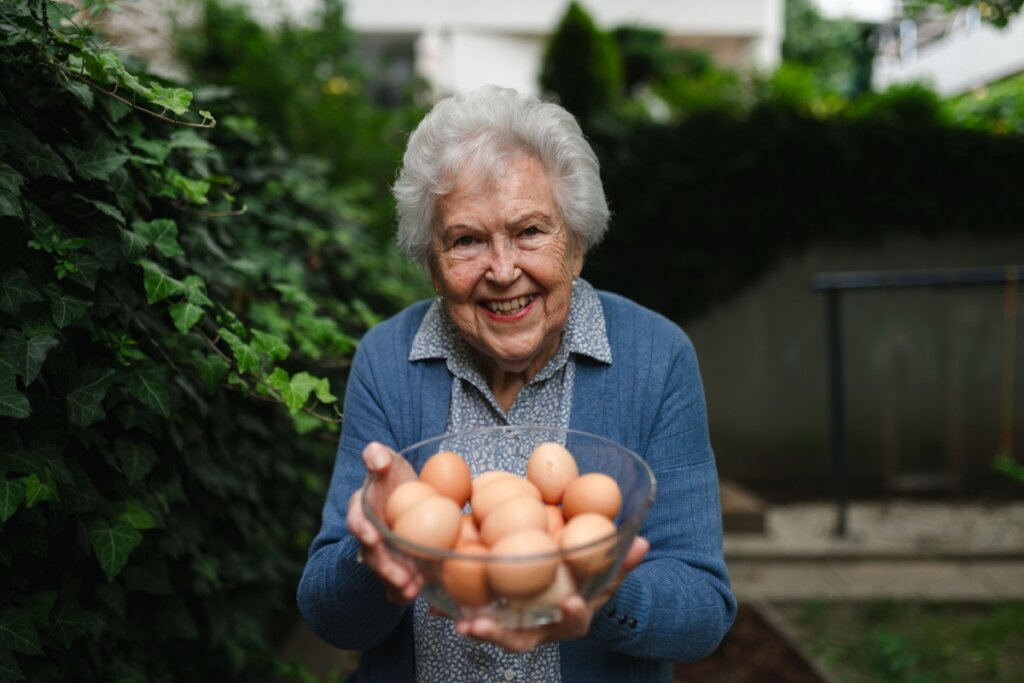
[[635, 554], [377, 457], [575, 623]]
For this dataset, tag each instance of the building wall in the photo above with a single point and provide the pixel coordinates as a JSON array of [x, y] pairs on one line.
[[462, 45], [923, 371], [970, 55]]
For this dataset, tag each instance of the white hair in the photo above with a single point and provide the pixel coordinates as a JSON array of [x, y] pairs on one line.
[[483, 130]]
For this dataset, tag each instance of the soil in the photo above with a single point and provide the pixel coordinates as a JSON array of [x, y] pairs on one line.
[[752, 652]]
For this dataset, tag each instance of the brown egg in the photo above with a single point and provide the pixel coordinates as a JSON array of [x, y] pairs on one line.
[[404, 496], [468, 533], [488, 497], [551, 467], [562, 587], [465, 579], [584, 529], [485, 478], [555, 519], [514, 514], [449, 474], [592, 492], [432, 522], [527, 577]]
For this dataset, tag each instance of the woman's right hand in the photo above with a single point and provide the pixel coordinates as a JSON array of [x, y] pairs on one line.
[[402, 579]]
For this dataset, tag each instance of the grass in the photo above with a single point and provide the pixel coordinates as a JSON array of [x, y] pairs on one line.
[[900, 642]]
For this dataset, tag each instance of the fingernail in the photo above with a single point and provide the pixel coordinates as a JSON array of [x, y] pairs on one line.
[[376, 457]]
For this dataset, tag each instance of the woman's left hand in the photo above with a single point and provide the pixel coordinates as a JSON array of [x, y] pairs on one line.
[[576, 615]]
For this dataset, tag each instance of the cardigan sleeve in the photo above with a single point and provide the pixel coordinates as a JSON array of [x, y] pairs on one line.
[[677, 604], [342, 600]]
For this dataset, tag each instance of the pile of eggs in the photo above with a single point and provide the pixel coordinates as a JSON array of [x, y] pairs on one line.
[[540, 518]]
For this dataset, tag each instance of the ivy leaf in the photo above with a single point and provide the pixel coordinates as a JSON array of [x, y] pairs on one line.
[[81, 91], [212, 369], [137, 516], [64, 308], [175, 99], [17, 634], [322, 390], [85, 397], [13, 403], [39, 605], [12, 492], [40, 160], [133, 245], [149, 385], [274, 347], [246, 358], [69, 623], [185, 315], [157, 150], [195, 290], [25, 356], [113, 543], [15, 290], [294, 390], [133, 459], [44, 460], [10, 204], [38, 490], [161, 233], [99, 161], [10, 179], [9, 669], [158, 284]]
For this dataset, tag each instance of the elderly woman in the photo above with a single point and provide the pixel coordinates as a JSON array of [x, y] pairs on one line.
[[500, 198]]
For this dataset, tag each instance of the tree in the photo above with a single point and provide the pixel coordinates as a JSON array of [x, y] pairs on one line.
[[997, 12], [581, 65]]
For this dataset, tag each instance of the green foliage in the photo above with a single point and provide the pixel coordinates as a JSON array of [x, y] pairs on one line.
[[912, 642], [178, 302], [997, 12], [306, 84], [581, 65], [712, 200], [998, 107], [838, 53]]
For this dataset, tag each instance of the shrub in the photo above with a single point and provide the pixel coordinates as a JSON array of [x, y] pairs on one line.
[[170, 293], [581, 65]]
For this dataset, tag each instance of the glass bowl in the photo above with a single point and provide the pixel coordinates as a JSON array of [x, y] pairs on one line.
[[585, 569]]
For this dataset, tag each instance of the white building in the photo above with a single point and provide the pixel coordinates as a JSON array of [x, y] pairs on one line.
[[457, 45], [953, 53]]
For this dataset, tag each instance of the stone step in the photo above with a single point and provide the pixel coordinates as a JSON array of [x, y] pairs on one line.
[[742, 511]]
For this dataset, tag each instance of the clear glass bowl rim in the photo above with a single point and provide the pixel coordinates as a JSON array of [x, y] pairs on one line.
[[423, 552]]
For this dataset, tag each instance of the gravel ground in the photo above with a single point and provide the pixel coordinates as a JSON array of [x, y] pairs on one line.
[[895, 527]]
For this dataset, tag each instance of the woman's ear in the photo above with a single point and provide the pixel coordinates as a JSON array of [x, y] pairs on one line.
[[577, 256]]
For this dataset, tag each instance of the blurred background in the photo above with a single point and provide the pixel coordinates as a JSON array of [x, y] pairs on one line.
[[825, 194], [746, 145]]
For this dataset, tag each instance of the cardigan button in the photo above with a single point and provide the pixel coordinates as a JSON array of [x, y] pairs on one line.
[[610, 612], [622, 619], [632, 622]]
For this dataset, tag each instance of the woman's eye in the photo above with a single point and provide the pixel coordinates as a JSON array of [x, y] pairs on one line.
[[463, 241], [530, 231]]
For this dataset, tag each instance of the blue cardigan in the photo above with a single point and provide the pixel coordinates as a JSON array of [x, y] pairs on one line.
[[675, 606]]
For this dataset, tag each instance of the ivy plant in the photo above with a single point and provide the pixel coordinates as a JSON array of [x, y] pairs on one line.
[[179, 299]]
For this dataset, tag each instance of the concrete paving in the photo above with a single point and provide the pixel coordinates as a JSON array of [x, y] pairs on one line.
[[901, 550]]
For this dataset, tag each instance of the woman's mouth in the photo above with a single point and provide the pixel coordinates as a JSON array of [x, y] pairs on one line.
[[509, 307]]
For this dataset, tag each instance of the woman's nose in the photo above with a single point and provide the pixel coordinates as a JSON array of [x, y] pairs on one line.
[[502, 269]]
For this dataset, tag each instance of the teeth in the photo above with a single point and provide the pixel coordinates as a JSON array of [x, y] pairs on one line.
[[509, 306]]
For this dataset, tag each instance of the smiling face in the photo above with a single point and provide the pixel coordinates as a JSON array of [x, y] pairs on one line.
[[503, 261]]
